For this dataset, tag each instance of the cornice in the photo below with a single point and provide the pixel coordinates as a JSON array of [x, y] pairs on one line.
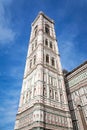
[[45, 16], [45, 66], [76, 71]]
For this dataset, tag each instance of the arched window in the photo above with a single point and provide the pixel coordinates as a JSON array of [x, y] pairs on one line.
[[35, 30], [61, 97], [51, 46], [44, 91], [47, 29], [52, 62], [47, 58], [46, 42], [82, 116], [34, 59], [56, 96], [50, 92]]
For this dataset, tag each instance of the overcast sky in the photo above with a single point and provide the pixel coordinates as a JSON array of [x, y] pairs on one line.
[[16, 16]]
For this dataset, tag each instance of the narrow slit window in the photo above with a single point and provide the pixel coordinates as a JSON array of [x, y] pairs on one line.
[[34, 59], [30, 63], [52, 61], [50, 93], [46, 42], [34, 91], [56, 95], [44, 91], [47, 58], [35, 30], [51, 46], [35, 43]]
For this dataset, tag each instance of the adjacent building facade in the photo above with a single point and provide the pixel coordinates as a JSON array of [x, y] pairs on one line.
[[43, 101], [76, 86]]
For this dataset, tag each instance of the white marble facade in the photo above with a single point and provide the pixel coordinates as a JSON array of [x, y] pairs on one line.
[[76, 84], [43, 101]]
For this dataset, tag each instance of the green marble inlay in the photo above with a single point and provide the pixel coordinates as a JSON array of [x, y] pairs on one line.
[[77, 79]]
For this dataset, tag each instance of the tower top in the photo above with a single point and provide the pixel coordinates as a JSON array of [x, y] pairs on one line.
[[45, 16]]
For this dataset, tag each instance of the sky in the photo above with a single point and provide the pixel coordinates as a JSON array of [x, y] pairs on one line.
[[16, 16]]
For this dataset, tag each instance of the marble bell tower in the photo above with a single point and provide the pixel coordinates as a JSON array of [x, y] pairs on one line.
[[43, 101]]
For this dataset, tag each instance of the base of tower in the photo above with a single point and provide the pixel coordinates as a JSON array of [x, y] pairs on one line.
[[42, 117]]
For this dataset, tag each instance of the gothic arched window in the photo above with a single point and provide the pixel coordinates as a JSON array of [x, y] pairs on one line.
[[34, 59], [47, 58], [51, 46], [56, 95], [82, 116], [35, 30], [47, 30], [46, 42], [44, 91], [52, 62], [50, 92]]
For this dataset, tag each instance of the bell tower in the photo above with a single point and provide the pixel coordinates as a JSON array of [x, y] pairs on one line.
[[43, 102]]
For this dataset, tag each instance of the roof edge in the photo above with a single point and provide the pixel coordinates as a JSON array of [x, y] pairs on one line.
[[41, 13], [76, 68]]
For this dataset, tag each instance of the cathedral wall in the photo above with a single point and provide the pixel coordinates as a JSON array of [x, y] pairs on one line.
[[76, 84]]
